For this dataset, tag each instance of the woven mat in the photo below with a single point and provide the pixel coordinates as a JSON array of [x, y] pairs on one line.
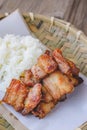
[[8, 121]]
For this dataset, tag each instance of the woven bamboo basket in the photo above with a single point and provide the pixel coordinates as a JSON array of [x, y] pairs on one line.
[[56, 33]]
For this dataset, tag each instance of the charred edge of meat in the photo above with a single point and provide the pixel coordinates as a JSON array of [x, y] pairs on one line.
[[80, 80], [63, 98]]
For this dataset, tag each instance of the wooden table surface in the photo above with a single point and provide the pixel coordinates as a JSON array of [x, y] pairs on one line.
[[74, 11]]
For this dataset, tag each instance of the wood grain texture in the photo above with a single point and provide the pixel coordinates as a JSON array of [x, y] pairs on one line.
[[78, 15], [74, 11], [48, 7]]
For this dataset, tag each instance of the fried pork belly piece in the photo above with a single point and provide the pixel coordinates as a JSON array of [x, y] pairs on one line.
[[21, 96], [47, 63], [16, 94], [62, 63], [46, 97], [38, 72], [74, 69], [43, 109], [58, 85], [45, 105], [11, 92], [33, 98], [58, 77], [28, 79]]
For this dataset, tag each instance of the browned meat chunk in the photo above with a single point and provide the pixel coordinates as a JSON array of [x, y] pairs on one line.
[[46, 97], [28, 79], [43, 109], [62, 63], [74, 69], [47, 63], [21, 96], [58, 85], [38, 72], [33, 98], [44, 85], [16, 94]]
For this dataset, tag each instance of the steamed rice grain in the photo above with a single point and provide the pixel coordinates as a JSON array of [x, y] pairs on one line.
[[16, 55]]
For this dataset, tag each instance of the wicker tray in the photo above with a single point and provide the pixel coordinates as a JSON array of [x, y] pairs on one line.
[[57, 33]]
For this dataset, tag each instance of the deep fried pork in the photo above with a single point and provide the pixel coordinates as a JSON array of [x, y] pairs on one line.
[[46, 104], [74, 69], [28, 79], [43, 109], [16, 94], [33, 98], [58, 85], [38, 72], [65, 66], [61, 61], [47, 63], [46, 97], [44, 85]]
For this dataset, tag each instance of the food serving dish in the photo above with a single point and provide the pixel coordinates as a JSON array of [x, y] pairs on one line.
[[56, 33]]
